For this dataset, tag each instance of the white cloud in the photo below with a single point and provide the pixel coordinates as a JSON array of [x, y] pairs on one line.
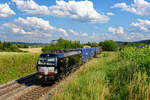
[[139, 7], [110, 14], [112, 30], [5, 10], [119, 30], [143, 25], [133, 36], [95, 37], [137, 31], [19, 30], [73, 32], [33, 27], [136, 36], [61, 30], [82, 11], [31, 7], [84, 34]]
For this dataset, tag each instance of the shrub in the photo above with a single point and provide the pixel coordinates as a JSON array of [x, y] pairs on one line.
[[108, 45]]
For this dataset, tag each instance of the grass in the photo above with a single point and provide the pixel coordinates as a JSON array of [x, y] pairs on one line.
[[89, 83], [16, 65], [111, 76]]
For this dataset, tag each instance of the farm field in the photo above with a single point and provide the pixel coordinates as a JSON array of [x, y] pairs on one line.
[[32, 50], [14, 65], [112, 76]]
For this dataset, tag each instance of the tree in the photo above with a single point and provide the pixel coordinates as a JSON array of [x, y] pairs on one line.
[[9, 47], [101, 43], [89, 44], [108, 45], [94, 44], [62, 44], [1, 45], [22, 46]]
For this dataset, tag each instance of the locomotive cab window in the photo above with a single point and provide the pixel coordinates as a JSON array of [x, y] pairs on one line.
[[48, 60], [42, 61], [51, 60]]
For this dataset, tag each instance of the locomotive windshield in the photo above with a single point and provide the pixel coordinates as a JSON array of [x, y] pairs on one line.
[[51, 60], [46, 59], [42, 61]]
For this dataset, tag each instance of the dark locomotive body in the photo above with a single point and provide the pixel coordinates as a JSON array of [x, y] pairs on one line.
[[52, 66]]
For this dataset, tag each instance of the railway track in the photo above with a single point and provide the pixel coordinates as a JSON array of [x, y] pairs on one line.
[[35, 93], [14, 87], [46, 91], [29, 89]]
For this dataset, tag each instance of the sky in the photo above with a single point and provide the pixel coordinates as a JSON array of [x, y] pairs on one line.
[[41, 21]]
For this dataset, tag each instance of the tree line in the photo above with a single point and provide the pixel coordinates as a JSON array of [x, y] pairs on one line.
[[62, 44], [9, 47], [107, 45]]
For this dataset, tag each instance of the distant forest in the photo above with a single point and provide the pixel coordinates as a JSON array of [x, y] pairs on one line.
[[107, 45], [136, 43], [9, 47]]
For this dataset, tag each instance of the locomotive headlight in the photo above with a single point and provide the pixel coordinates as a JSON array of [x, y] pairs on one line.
[[51, 69], [55, 71]]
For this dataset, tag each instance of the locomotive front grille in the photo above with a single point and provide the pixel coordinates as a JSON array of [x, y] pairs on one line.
[[46, 70]]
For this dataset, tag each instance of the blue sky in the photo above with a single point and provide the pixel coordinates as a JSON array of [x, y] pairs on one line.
[[83, 20]]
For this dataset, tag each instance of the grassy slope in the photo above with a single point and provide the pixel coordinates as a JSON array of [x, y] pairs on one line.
[[16, 65], [89, 83], [107, 77]]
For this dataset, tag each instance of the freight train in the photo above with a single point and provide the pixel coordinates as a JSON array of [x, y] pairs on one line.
[[53, 66]]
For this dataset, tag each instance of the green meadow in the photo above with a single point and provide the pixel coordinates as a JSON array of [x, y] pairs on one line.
[[16, 65]]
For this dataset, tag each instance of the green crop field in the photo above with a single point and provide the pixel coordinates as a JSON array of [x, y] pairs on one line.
[[16, 65], [112, 76]]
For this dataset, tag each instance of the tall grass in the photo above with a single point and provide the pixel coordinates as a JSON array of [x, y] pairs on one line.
[[112, 76], [136, 82], [16, 65], [89, 83]]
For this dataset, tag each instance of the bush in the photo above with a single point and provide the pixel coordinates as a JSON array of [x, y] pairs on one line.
[[108, 45]]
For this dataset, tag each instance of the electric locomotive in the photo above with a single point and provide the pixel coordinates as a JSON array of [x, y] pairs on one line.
[[51, 66]]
